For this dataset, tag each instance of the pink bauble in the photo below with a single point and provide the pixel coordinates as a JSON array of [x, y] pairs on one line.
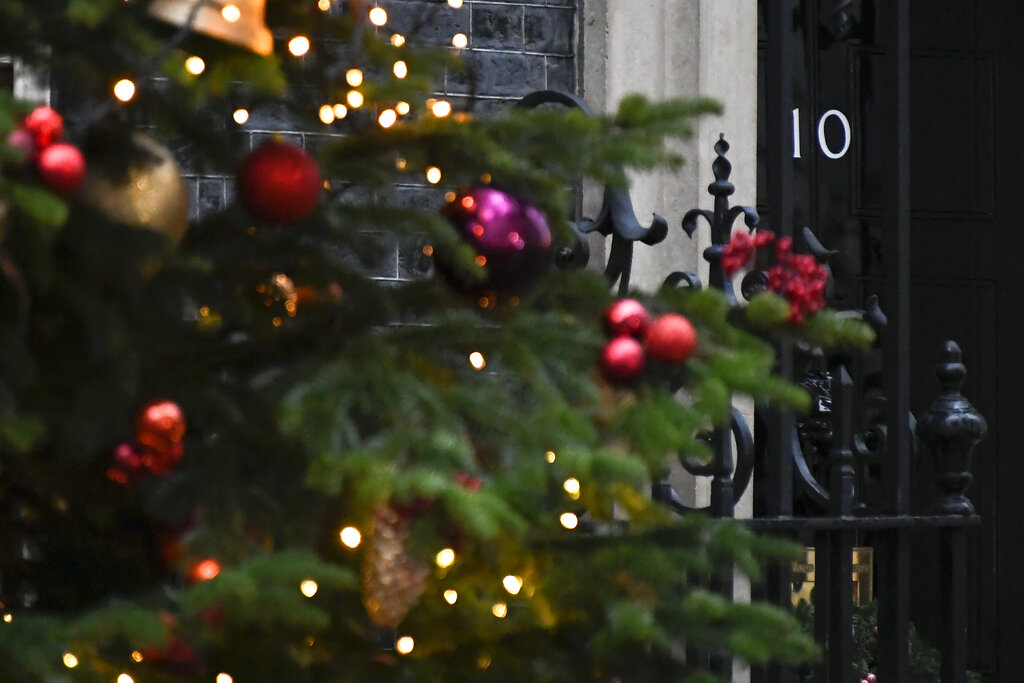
[[509, 235]]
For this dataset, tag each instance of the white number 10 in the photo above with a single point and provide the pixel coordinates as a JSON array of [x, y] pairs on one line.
[[822, 143]]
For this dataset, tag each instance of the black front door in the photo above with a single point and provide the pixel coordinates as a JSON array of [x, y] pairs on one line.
[[967, 141]]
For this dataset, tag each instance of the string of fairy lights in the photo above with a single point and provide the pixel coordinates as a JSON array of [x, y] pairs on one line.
[[298, 46], [124, 90], [352, 538]]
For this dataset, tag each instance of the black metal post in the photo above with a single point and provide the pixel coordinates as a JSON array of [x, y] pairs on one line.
[[950, 430], [893, 551], [824, 584], [954, 604], [778, 479]]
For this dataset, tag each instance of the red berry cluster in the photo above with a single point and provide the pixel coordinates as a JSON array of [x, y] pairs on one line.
[[59, 165], [797, 277], [671, 338], [741, 248], [158, 447]]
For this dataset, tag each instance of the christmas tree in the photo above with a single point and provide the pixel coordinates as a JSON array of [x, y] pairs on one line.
[[228, 452]]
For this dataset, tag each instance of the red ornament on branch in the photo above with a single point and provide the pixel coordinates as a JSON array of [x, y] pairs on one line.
[[61, 167], [671, 338], [279, 183], [622, 360], [626, 318], [44, 125], [160, 425], [126, 466]]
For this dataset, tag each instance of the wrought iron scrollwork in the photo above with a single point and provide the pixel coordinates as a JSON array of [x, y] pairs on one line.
[[721, 219], [616, 219]]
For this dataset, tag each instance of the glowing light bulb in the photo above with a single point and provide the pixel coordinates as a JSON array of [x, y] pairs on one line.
[[70, 660], [398, 40], [355, 99], [460, 40], [572, 487], [124, 90], [308, 588], [223, 677], [433, 175], [240, 116], [350, 537], [445, 558], [451, 596], [195, 65], [136, 656], [402, 108], [298, 46], [327, 114], [477, 360], [387, 118], [569, 520], [513, 584], [455, 3], [378, 17], [499, 609], [340, 111], [441, 109], [324, 6], [400, 164], [206, 570], [125, 678], [8, 617], [405, 645], [550, 455], [231, 13], [354, 77], [400, 69]]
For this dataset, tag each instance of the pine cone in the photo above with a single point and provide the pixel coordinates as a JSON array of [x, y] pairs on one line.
[[393, 579]]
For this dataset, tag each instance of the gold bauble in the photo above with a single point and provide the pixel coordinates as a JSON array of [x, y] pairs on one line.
[[140, 187], [240, 21]]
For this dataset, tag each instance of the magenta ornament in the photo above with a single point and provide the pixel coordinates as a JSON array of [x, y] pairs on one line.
[[509, 235]]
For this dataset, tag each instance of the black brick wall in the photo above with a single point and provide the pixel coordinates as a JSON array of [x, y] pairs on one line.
[[515, 47]]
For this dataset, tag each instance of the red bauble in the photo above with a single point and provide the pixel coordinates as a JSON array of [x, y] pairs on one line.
[[126, 466], [62, 168], [509, 235], [622, 360], [45, 126], [671, 338], [161, 462], [160, 425], [278, 183], [626, 318]]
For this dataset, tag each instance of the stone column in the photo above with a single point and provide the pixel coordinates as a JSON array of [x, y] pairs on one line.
[[679, 48]]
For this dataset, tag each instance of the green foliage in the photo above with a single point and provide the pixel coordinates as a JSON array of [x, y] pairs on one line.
[[303, 420], [924, 660]]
